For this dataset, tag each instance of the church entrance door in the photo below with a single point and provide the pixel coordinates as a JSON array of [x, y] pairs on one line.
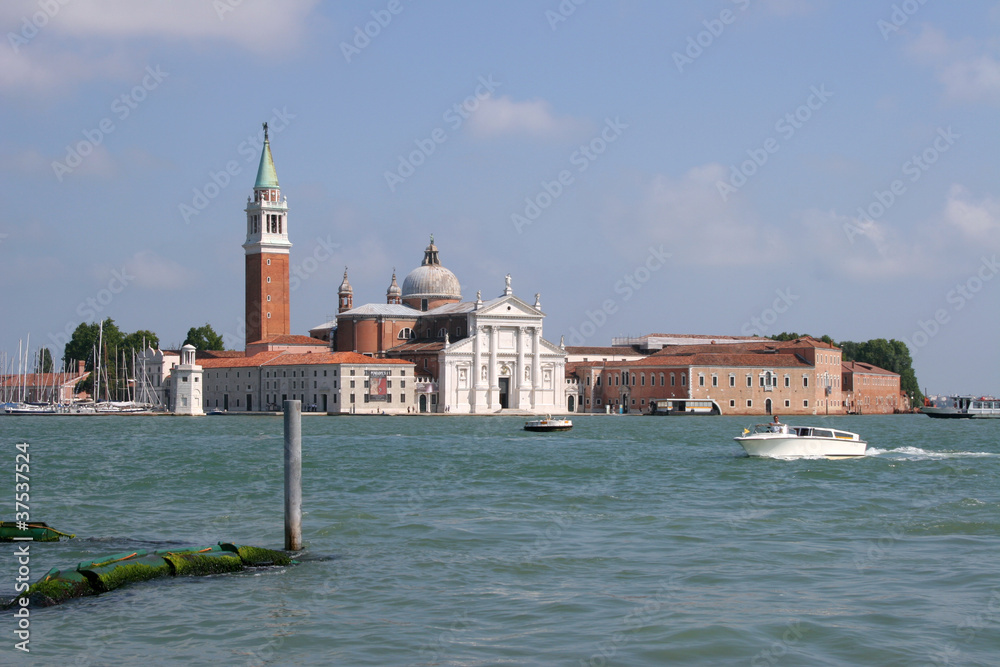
[[423, 403], [504, 393]]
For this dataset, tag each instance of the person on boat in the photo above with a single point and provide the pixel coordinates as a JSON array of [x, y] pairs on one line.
[[778, 427]]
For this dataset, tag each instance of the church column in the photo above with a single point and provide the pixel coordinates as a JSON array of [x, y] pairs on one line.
[[536, 365], [494, 390], [519, 380], [477, 364]]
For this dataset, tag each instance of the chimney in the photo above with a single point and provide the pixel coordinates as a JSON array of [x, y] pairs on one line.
[[80, 366]]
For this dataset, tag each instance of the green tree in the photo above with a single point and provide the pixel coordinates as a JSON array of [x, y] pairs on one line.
[[892, 355], [114, 355], [204, 338], [140, 340], [43, 362]]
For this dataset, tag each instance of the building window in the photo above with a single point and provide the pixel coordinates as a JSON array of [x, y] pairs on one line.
[[788, 403], [805, 380], [805, 403], [701, 380], [715, 380], [732, 402], [269, 262], [662, 380], [684, 379], [269, 316], [597, 381], [749, 403], [268, 297], [269, 279], [749, 381], [673, 380], [788, 380], [732, 380], [642, 379]]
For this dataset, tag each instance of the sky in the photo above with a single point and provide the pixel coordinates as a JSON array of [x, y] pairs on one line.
[[725, 167]]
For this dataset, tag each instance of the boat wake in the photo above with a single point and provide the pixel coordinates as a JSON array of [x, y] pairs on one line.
[[916, 453]]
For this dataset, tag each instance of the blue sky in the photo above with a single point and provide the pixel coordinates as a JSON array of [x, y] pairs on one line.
[[723, 167]]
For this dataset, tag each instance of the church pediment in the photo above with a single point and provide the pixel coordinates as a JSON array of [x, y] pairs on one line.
[[509, 306]]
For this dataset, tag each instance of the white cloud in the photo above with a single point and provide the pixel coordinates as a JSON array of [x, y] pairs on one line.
[[966, 69], [978, 221], [688, 215], [152, 271], [501, 116], [49, 51]]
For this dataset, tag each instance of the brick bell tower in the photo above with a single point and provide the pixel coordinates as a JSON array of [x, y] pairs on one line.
[[267, 248]]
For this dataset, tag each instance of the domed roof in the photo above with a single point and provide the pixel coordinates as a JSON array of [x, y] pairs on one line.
[[430, 280]]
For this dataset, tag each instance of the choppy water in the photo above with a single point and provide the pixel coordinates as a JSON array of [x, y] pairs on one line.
[[466, 541]]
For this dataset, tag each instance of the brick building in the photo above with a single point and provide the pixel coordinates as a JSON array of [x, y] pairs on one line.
[[756, 377], [869, 390]]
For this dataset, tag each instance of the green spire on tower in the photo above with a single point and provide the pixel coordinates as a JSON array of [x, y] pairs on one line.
[[267, 177]]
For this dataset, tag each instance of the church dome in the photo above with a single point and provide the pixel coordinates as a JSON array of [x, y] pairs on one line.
[[430, 280]]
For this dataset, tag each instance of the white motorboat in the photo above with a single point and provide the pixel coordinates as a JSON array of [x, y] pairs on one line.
[[548, 424], [778, 440]]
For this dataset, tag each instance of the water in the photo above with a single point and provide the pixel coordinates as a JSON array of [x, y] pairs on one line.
[[466, 541]]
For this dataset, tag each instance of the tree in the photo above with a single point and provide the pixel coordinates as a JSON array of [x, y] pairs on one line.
[[43, 362], [115, 346], [204, 338], [892, 355], [141, 339]]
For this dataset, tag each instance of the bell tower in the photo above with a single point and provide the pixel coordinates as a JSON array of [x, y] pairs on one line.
[[267, 250]]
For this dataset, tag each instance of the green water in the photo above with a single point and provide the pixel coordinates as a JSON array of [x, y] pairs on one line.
[[466, 541]]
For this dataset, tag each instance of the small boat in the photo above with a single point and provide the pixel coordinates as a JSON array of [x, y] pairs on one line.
[[548, 424], [778, 440], [962, 407]]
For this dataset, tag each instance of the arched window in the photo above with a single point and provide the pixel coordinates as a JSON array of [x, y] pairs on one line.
[[642, 379], [405, 333]]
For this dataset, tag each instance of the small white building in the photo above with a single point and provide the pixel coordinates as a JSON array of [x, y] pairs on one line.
[[186, 381]]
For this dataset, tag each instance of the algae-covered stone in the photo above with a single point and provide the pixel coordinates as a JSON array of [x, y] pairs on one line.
[[129, 571], [55, 587], [216, 562], [258, 557]]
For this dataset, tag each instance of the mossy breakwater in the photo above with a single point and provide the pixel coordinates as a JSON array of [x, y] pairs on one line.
[[110, 572]]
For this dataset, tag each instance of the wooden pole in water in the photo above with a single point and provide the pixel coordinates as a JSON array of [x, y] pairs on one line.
[[293, 475]]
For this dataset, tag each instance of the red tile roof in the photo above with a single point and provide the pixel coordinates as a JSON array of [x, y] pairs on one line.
[[860, 367], [279, 358], [289, 339], [727, 359], [42, 379]]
